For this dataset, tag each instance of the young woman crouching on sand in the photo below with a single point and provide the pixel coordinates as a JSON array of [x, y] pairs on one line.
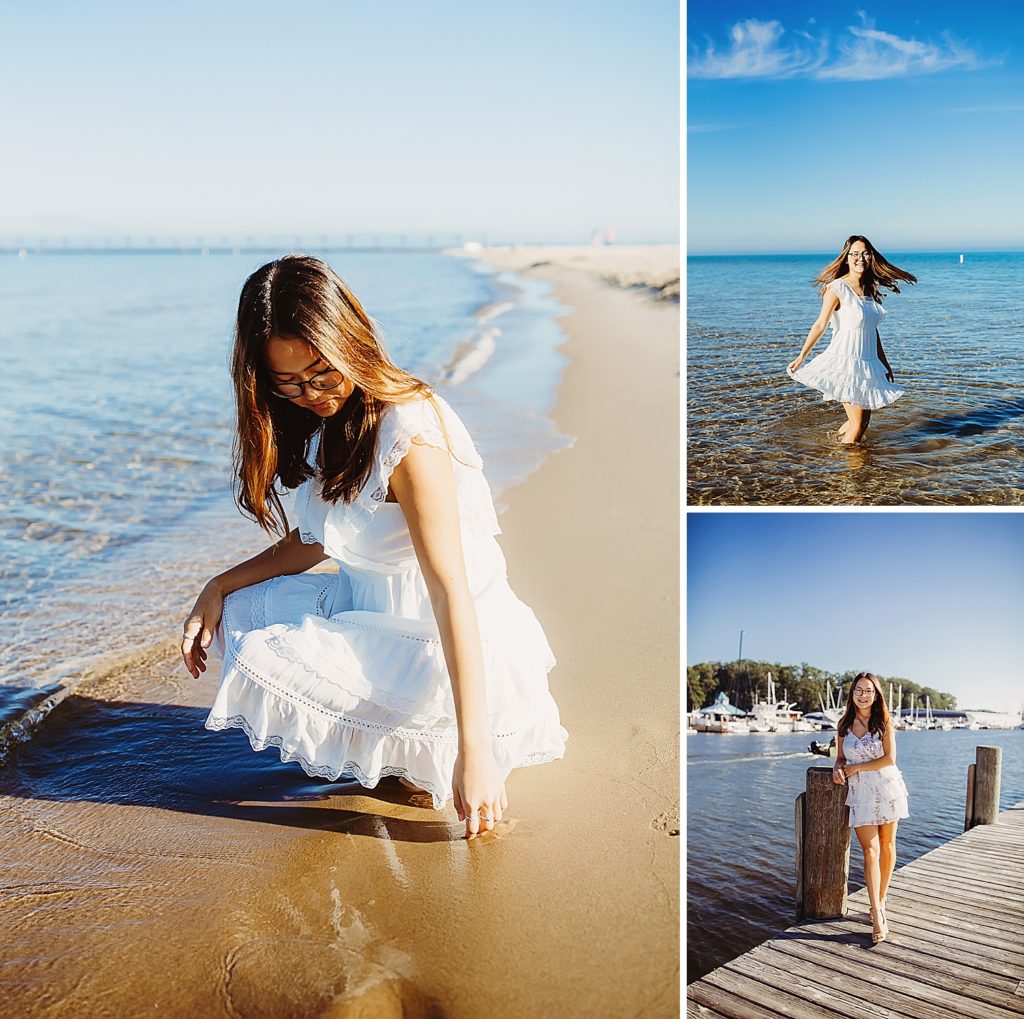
[[415, 659], [877, 799], [854, 369]]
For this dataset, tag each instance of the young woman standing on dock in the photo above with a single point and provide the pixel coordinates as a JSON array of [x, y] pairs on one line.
[[877, 799], [854, 369]]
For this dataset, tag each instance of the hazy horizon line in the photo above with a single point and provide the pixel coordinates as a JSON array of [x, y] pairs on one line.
[[831, 252]]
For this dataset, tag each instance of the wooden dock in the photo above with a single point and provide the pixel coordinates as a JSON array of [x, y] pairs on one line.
[[955, 946]]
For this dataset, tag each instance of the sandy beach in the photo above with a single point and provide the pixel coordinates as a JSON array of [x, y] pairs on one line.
[[207, 880]]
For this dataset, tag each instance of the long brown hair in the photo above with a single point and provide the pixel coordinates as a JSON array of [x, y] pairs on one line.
[[301, 297], [878, 721], [878, 272]]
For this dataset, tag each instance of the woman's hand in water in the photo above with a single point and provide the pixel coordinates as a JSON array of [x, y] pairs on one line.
[[794, 364], [479, 792], [199, 628]]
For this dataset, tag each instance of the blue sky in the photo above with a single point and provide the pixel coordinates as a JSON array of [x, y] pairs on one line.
[[808, 122], [937, 598], [525, 121]]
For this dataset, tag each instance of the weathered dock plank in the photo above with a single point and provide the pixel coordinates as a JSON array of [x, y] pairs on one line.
[[955, 946]]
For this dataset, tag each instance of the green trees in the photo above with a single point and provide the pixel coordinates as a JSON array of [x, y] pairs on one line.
[[746, 681]]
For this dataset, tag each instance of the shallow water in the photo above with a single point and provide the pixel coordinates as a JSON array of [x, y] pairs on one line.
[[954, 340], [116, 422], [740, 836]]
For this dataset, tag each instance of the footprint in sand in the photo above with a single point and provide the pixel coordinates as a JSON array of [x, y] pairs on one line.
[[667, 821]]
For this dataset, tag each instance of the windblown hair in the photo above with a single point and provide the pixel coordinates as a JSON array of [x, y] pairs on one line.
[[301, 297], [879, 272], [878, 721]]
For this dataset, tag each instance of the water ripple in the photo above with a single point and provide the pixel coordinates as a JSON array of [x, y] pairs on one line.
[[755, 437]]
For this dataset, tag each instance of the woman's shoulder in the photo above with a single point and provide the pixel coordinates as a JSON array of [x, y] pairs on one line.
[[431, 420]]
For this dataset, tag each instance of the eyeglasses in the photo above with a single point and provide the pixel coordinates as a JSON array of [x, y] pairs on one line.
[[859, 256], [329, 379]]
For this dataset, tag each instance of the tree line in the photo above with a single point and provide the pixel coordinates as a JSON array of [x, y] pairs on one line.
[[746, 681]]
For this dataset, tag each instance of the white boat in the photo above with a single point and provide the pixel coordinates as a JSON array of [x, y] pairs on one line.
[[982, 719], [778, 715], [821, 720], [721, 717]]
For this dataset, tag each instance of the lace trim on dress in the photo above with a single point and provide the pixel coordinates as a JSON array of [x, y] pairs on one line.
[[349, 768], [402, 424], [355, 723], [302, 511], [258, 605], [321, 597], [352, 769], [279, 645], [432, 435]]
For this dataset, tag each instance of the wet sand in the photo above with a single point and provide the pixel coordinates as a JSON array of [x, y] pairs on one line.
[[204, 879]]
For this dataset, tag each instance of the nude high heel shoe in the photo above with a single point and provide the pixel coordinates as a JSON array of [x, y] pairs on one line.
[[880, 928]]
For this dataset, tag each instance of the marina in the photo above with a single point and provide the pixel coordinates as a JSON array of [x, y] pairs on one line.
[[741, 879], [782, 715], [956, 945]]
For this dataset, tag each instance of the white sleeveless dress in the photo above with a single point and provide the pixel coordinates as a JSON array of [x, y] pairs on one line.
[[849, 370], [874, 797], [344, 673]]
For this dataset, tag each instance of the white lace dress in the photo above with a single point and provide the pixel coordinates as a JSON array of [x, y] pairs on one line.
[[344, 673], [849, 370], [874, 797]]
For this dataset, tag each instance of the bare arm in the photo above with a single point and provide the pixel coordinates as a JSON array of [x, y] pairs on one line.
[[424, 485], [289, 555], [829, 303], [887, 759], [839, 768], [883, 359]]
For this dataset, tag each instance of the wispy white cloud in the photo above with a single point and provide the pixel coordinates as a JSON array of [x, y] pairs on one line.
[[763, 49], [756, 51]]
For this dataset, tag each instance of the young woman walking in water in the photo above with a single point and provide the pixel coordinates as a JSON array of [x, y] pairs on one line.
[[854, 369], [415, 659], [877, 796]]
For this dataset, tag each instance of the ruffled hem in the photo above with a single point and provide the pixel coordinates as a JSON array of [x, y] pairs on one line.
[[836, 384], [877, 797], [328, 744]]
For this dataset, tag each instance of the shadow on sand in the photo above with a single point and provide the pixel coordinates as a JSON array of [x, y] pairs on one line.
[[159, 755]]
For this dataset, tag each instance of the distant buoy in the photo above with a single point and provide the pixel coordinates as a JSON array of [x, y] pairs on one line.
[[961, 259]]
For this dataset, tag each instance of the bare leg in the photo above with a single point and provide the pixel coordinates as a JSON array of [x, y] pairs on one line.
[[886, 858], [859, 417], [867, 835], [845, 426]]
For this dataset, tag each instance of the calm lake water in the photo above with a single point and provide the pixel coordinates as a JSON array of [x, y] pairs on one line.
[[116, 421], [740, 838], [954, 341]]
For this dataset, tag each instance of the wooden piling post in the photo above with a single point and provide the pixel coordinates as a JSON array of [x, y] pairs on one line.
[[799, 821], [988, 763], [969, 809], [823, 847]]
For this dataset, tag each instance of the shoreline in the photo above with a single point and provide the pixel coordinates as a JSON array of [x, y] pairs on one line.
[[266, 892]]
